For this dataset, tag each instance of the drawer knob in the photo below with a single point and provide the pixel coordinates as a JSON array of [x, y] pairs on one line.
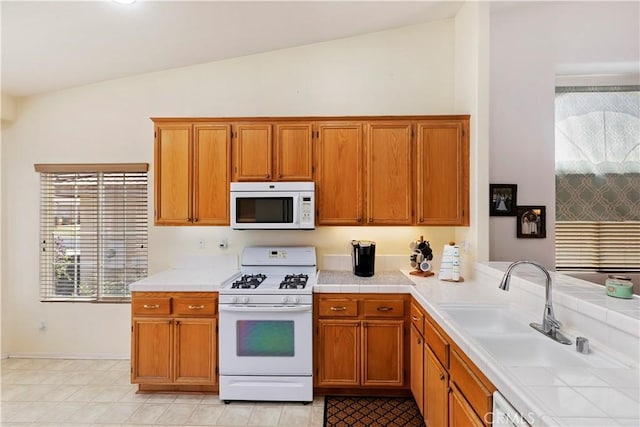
[[343, 308], [151, 306], [384, 308], [196, 307]]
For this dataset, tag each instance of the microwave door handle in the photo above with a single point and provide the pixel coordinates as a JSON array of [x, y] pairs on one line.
[[296, 206], [266, 309]]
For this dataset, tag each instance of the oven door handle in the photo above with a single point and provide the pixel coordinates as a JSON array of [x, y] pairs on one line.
[[267, 309]]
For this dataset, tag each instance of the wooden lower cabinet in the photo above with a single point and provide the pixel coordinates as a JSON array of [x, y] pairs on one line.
[[461, 414], [195, 351], [416, 356], [360, 341], [453, 391], [436, 390], [174, 341], [152, 344], [338, 353], [383, 353]]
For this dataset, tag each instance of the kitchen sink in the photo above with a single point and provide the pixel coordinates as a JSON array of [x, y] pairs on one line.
[[486, 319], [528, 349], [505, 334]]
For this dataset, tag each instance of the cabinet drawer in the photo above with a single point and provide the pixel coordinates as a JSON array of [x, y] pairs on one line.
[[152, 306], [474, 391], [383, 308], [437, 343], [337, 307], [417, 318], [194, 306]]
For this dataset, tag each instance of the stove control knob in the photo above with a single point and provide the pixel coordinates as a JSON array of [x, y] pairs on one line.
[[234, 300], [285, 299], [245, 300], [296, 299]]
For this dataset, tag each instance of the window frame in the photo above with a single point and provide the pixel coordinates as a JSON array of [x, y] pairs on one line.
[[120, 219]]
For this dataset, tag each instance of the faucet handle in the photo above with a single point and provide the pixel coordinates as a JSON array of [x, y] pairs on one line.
[[551, 321]]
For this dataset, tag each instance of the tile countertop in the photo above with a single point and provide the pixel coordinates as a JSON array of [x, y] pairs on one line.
[[185, 280], [547, 396]]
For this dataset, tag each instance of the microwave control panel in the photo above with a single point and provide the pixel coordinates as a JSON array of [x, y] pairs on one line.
[[306, 209]]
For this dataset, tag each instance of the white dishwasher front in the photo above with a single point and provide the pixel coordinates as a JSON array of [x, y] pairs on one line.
[[504, 414]]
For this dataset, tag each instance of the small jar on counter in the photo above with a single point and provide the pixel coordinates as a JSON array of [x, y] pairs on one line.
[[619, 286]]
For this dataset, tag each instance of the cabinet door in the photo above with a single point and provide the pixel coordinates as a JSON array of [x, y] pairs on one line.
[[442, 171], [436, 383], [338, 353], [293, 152], [151, 345], [382, 353], [252, 152], [339, 174], [389, 174], [416, 349], [460, 412], [212, 173], [195, 351], [173, 174]]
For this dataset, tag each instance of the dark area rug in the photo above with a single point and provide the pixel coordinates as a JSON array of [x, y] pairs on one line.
[[346, 411]]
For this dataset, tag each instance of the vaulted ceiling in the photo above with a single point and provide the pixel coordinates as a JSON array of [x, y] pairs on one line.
[[52, 45]]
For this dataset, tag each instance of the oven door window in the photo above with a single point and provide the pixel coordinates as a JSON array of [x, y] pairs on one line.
[[275, 210], [273, 338]]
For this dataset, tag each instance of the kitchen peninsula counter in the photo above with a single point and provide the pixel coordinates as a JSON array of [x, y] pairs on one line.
[[545, 396]]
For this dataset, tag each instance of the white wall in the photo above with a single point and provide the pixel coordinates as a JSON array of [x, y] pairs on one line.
[[471, 96], [404, 71], [530, 43]]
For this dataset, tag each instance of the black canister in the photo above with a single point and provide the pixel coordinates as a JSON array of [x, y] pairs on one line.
[[363, 257]]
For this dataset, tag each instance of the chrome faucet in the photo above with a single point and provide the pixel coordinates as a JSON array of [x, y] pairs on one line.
[[550, 324]]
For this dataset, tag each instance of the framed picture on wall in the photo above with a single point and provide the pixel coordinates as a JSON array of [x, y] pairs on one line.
[[502, 199], [530, 222]]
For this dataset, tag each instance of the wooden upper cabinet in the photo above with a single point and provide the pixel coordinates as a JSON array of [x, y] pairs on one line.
[[192, 164], [293, 152], [442, 171], [339, 173], [252, 152], [173, 182], [212, 173], [389, 177]]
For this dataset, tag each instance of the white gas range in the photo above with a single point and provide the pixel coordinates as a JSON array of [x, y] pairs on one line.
[[265, 329]]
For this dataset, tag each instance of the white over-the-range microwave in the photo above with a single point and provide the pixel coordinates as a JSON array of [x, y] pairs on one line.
[[272, 205]]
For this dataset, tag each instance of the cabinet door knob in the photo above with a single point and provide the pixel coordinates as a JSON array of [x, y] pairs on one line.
[[267, 176], [359, 219], [421, 219], [195, 219], [441, 377], [370, 219], [414, 318]]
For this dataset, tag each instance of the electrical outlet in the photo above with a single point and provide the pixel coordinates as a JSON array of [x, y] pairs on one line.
[[201, 244], [223, 243], [43, 326]]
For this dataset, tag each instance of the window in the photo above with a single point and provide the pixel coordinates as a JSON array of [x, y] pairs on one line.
[[598, 179], [93, 231]]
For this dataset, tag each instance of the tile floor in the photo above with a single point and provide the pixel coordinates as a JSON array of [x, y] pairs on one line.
[[62, 392]]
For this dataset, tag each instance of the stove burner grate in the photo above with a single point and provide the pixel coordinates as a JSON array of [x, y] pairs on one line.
[[248, 281], [294, 281]]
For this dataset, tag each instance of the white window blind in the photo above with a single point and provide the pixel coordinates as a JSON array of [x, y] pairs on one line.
[[597, 179], [603, 246], [93, 231]]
